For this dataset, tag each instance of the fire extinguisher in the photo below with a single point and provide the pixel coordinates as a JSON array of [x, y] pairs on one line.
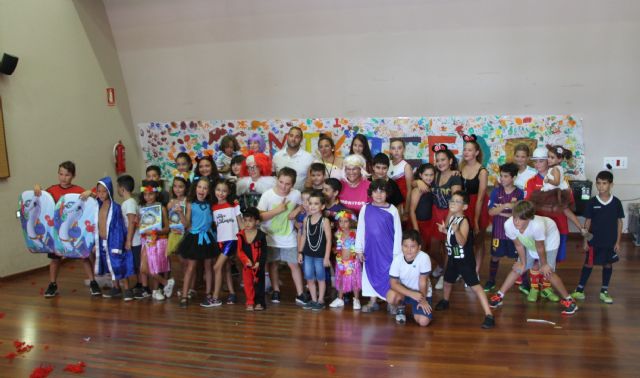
[[118, 158]]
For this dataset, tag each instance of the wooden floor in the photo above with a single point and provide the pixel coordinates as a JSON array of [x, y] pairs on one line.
[[147, 339]]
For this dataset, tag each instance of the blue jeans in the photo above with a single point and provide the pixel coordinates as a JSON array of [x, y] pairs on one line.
[[313, 268]]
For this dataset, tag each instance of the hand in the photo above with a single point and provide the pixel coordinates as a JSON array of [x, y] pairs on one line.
[[292, 215], [127, 246], [423, 304], [326, 263], [282, 207], [249, 265], [360, 256], [86, 194], [422, 187], [256, 266], [518, 267], [417, 296], [442, 228], [546, 270], [37, 190], [300, 258]]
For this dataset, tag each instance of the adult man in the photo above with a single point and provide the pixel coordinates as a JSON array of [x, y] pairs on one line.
[[293, 156]]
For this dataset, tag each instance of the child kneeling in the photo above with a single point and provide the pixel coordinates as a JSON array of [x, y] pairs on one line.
[[409, 280]]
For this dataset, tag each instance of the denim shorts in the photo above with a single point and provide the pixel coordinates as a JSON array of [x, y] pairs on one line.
[[313, 268], [418, 311]]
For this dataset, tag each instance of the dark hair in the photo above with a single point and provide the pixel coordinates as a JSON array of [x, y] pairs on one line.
[[154, 168], [422, 168], [412, 235], [392, 140], [192, 197], [214, 168], [464, 195], [251, 212], [450, 156], [229, 139], [231, 196], [69, 166], [237, 159], [318, 194], [605, 176], [381, 158], [317, 167], [184, 155], [126, 182], [186, 183], [290, 172], [524, 210], [559, 151], [334, 183], [307, 191], [326, 137], [153, 184], [522, 147], [510, 168], [379, 184], [296, 128], [366, 150]]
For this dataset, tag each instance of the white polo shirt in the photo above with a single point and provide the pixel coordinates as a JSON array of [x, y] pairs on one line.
[[539, 229], [299, 162]]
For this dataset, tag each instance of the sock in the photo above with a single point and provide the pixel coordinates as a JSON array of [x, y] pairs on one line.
[[606, 277], [501, 294], [584, 277], [545, 283], [493, 270]]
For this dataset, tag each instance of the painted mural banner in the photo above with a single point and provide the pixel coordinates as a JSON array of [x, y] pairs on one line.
[[497, 135]]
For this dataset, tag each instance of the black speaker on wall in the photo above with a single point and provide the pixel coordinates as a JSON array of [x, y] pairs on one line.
[[8, 64]]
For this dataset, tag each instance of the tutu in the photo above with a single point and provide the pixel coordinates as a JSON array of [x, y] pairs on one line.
[[156, 252], [554, 200], [348, 274], [191, 248], [485, 218], [438, 216], [174, 241]]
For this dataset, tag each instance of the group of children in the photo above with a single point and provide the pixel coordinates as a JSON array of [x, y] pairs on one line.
[[445, 209]]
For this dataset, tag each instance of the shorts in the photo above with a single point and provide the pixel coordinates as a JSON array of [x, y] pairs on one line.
[[461, 267], [135, 251], [601, 256], [53, 256], [551, 260], [503, 247], [288, 255], [313, 268], [228, 248], [562, 248], [418, 311]]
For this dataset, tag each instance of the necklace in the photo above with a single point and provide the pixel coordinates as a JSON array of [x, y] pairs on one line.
[[318, 229], [332, 166]]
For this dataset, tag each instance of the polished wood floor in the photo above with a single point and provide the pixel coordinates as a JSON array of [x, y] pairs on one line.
[[147, 339]]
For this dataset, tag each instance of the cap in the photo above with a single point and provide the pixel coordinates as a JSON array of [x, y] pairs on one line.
[[539, 153]]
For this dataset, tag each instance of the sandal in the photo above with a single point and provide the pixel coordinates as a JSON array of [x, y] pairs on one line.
[[258, 307]]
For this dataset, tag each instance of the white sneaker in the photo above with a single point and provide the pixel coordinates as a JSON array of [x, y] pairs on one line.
[[168, 289], [440, 283], [356, 305], [158, 295], [337, 303]]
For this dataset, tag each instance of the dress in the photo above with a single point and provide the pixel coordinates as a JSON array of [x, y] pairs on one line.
[[348, 271], [396, 173], [472, 187], [199, 243]]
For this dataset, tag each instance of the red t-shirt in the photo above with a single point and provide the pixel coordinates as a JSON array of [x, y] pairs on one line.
[[535, 184], [58, 191]]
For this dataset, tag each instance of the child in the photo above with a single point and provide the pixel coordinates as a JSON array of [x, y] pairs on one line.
[[539, 238], [317, 172], [184, 165], [380, 171], [521, 154], [603, 217], [420, 211], [228, 220], [153, 173], [400, 171], [500, 205], [228, 148], [111, 257], [199, 243], [275, 206], [360, 146], [348, 268], [154, 259], [331, 190], [251, 252], [378, 240], [129, 207], [205, 167], [177, 210], [314, 249], [66, 174], [461, 262], [409, 281], [236, 167]]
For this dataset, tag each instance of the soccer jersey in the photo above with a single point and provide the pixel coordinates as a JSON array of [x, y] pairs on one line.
[[604, 220], [499, 197]]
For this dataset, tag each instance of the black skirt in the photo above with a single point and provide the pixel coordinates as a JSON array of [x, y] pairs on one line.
[[190, 249]]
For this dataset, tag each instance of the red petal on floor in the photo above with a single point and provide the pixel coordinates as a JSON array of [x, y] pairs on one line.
[[42, 291], [2, 315], [11, 356], [41, 372], [76, 368], [330, 368]]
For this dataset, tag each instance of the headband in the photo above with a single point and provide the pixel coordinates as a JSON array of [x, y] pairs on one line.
[[439, 147], [470, 138], [344, 214], [149, 189]]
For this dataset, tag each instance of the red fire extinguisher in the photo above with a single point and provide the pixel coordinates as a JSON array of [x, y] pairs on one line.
[[118, 158]]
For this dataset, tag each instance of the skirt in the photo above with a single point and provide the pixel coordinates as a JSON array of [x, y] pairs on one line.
[[485, 218], [156, 253], [348, 274], [174, 241], [438, 216], [190, 249], [555, 200]]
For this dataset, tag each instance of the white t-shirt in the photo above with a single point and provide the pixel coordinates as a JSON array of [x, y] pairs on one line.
[[409, 273], [522, 178], [285, 236], [263, 184], [539, 229], [130, 206], [225, 216], [299, 162]]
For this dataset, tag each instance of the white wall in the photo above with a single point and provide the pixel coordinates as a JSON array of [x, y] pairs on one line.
[[55, 106]]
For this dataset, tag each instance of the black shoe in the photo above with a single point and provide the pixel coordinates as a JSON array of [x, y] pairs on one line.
[[489, 322], [113, 293], [275, 297], [94, 289], [301, 300], [442, 305], [184, 302], [137, 293], [52, 290], [128, 295]]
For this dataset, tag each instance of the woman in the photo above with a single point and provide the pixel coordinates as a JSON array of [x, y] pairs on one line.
[[327, 152], [355, 184], [360, 146]]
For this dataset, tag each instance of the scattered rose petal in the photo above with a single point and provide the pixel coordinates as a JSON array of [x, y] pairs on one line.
[[330, 368], [41, 372], [2, 315], [74, 290], [46, 347], [11, 356], [76, 368], [42, 291], [33, 283]]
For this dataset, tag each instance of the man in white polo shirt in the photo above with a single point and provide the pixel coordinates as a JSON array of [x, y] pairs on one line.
[[293, 156]]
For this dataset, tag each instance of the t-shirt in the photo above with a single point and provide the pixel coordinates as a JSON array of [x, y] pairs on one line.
[[58, 191], [354, 198], [538, 229], [409, 272], [279, 229], [521, 179], [535, 184], [442, 193], [499, 197], [225, 217], [604, 220], [130, 206], [299, 162]]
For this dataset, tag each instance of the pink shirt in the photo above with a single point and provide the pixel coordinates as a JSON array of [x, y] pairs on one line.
[[354, 198]]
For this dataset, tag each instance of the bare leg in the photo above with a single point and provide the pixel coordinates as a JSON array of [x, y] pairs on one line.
[[217, 269], [273, 275], [227, 273], [188, 276], [54, 269], [312, 289], [208, 275], [322, 288], [296, 274], [483, 298]]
